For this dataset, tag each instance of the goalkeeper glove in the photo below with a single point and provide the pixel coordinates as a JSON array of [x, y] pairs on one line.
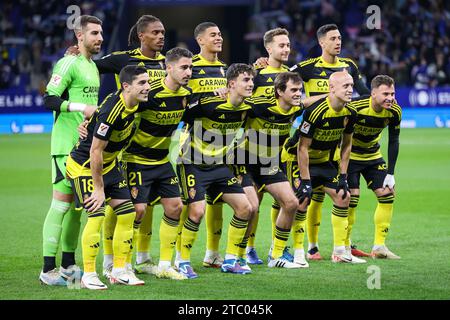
[[389, 181], [342, 184]]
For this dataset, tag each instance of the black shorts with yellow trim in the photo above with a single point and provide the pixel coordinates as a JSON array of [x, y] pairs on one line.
[[324, 174], [197, 180], [115, 186], [292, 172], [150, 183], [264, 175], [373, 171], [243, 177]]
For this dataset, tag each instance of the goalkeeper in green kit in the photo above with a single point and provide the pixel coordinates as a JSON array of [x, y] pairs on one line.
[[72, 94]]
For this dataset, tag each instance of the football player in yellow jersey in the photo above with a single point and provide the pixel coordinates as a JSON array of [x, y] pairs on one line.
[[315, 73], [278, 46], [327, 126], [375, 112], [96, 177], [208, 79], [148, 35]]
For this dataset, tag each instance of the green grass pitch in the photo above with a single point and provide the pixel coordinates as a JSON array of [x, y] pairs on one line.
[[419, 234]]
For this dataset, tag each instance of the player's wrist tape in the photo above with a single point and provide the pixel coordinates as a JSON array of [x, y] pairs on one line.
[[75, 106]]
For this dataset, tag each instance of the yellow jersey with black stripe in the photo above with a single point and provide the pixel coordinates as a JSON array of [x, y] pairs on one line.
[[212, 124], [158, 121], [267, 127], [114, 62], [368, 128], [315, 73], [325, 127], [112, 122], [264, 79], [207, 76]]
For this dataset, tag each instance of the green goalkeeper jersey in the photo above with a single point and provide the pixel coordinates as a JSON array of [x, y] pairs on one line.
[[74, 79]]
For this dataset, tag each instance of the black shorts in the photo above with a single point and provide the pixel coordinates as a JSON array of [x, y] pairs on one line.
[[149, 184], [290, 168], [324, 174], [265, 175], [373, 171], [196, 180], [243, 177], [115, 186]]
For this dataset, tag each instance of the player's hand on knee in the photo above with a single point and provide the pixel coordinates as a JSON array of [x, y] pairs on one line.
[[343, 185], [95, 201], [304, 192], [389, 182]]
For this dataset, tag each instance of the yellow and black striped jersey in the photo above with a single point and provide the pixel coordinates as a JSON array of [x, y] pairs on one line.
[[325, 127], [315, 73], [264, 80], [112, 122], [369, 126], [159, 120], [207, 76], [114, 62], [212, 125], [267, 127]]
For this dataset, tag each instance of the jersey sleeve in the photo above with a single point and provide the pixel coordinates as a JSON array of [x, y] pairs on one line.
[[350, 126], [193, 110], [112, 63], [357, 79], [307, 126], [106, 120], [61, 76]]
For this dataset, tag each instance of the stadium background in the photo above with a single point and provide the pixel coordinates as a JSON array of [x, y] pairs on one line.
[[413, 46]]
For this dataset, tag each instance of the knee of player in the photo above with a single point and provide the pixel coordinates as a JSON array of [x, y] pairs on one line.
[[175, 210], [291, 204], [140, 210], [344, 203], [244, 211], [386, 198]]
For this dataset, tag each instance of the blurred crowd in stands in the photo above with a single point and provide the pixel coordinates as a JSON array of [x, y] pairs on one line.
[[34, 35], [413, 44]]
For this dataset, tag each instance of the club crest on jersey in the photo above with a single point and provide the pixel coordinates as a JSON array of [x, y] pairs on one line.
[[222, 71], [102, 129], [134, 192], [55, 80], [192, 193], [184, 102], [305, 127], [296, 183], [162, 65]]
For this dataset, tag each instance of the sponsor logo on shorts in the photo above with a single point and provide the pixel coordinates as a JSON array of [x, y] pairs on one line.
[[123, 184], [134, 192], [232, 181], [102, 129], [192, 193]]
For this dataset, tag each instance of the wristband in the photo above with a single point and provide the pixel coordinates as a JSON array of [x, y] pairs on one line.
[[75, 106]]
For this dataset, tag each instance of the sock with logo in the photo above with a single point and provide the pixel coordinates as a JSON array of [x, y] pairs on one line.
[[123, 234], [167, 237], [214, 222], [383, 217], [90, 239]]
